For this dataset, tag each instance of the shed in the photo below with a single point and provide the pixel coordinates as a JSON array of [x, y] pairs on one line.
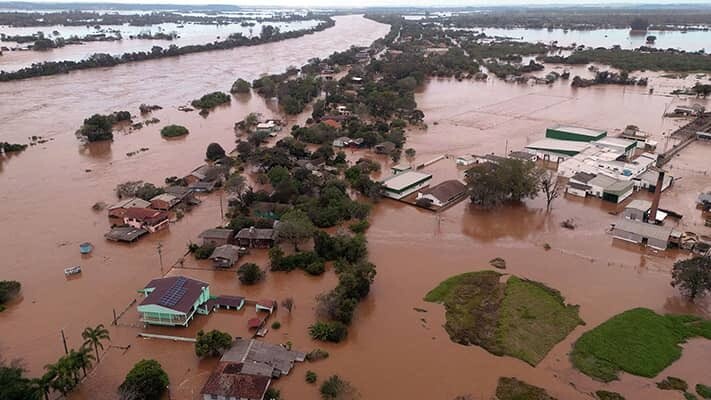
[[577, 189], [655, 236], [637, 210], [266, 305], [384, 147], [618, 191], [225, 256]]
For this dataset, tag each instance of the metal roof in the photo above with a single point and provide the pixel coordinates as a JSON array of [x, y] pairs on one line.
[[405, 179], [559, 145], [579, 130], [643, 229], [641, 205]]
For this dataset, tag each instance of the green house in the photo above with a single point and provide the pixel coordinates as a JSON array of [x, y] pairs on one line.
[[574, 133], [173, 301]]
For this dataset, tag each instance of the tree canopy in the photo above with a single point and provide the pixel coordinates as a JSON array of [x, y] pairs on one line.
[[240, 86], [490, 184], [145, 381], [692, 276], [295, 227], [212, 344], [214, 152]]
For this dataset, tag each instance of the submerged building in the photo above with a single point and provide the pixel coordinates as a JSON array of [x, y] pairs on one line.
[[404, 184], [173, 301]]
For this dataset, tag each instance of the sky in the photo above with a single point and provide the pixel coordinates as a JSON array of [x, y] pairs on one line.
[[385, 3]]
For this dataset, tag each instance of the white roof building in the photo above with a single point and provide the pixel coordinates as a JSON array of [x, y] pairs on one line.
[[403, 184]]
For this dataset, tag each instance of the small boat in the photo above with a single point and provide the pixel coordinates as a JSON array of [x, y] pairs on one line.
[[86, 248], [72, 270]]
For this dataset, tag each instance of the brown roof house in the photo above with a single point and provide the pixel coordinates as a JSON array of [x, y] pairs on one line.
[[217, 237], [245, 371], [119, 209], [173, 301], [384, 147], [443, 194], [256, 238], [164, 201], [146, 218], [225, 256]]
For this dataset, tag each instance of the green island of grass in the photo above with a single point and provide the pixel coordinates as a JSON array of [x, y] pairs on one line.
[[638, 341], [514, 389], [516, 317]]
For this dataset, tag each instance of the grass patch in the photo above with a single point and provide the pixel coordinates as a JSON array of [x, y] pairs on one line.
[[638, 341], [703, 391], [519, 318], [514, 389], [533, 319], [605, 395]]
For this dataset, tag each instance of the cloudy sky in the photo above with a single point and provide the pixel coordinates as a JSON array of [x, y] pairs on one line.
[[370, 3]]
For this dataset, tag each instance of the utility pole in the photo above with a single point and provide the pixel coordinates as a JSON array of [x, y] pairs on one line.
[[506, 150], [222, 212], [160, 256], [64, 340]]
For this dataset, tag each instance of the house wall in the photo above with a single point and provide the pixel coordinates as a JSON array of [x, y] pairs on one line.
[[576, 137], [658, 244], [633, 214], [161, 205], [576, 192], [627, 236], [405, 192]]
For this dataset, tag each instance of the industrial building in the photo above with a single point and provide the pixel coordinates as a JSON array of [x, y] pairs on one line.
[[574, 133], [404, 184]]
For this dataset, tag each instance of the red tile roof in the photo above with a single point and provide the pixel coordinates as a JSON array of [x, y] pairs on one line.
[[147, 215], [227, 380]]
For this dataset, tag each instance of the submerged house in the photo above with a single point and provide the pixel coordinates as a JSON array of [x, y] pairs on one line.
[[216, 237], [655, 236], [256, 238], [443, 194], [164, 201], [146, 218], [404, 184], [173, 301], [246, 370], [119, 209], [225, 256]]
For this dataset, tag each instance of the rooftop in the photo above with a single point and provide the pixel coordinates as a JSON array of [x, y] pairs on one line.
[[165, 197], [217, 233], [579, 130], [602, 180], [641, 205], [405, 179], [619, 187], [250, 351], [145, 214], [130, 203], [175, 292], [227, 251], [229, 380], [615, 142], [558, 145], [125, 234], [446, 190], [643, 229], [255, 233], [583, 177]]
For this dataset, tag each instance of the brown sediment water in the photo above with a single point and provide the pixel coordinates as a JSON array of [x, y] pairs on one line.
[[392, 351]]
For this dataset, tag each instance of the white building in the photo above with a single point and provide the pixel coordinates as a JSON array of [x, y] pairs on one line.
[[404, 184]]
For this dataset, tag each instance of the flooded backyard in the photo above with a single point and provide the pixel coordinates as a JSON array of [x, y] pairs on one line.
[[47, 192]]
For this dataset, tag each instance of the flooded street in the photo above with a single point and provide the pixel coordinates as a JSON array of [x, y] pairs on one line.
[[392, 351]]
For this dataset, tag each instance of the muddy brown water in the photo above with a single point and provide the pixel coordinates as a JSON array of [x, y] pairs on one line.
[[46, 197]]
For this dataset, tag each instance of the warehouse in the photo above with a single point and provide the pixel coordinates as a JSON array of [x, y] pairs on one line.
[[574, 133]]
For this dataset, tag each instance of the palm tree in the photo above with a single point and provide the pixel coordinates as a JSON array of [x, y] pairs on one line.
[[42, 385], [83, 358], [94, 336], [63, 375]]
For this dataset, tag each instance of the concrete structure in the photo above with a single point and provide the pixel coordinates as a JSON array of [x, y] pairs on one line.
[[648, 181], [443, 194], [638, 210], [225, 256], [164, 201], [655, 236], [623, 146], [126, 234], [217, 237], [400, 168], [146, 218], [465, 161], [173, 301], [574, 133], [404, 184], [618, 191]]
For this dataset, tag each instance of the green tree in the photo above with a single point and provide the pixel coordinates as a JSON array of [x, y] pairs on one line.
[[249, 273], [692, 276], [490, 184], [240, 86], [8, 290], [145, 381], [212, 344], [335, 388], [94, 337], [332, 331], [214, 152], [82, 358], [15, 386], [295, 227], [174, 131]]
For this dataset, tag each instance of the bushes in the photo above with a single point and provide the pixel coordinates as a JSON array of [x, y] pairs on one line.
[[214, 152], [174, 131], [100, 127], [211, 100], [250, 274], [307, 260], [276, 325], [316, 268], [353, 285], [359, 227], [8, 291], [331, 331], [311, 377], [240, 86], [212, 344], [316, 354], [673, 383], [703, 391], [335, 388], [201, 252], [6, 147]]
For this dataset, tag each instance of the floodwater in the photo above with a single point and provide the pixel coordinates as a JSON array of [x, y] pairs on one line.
[[190, 34], [689, 41], [392, 351]]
